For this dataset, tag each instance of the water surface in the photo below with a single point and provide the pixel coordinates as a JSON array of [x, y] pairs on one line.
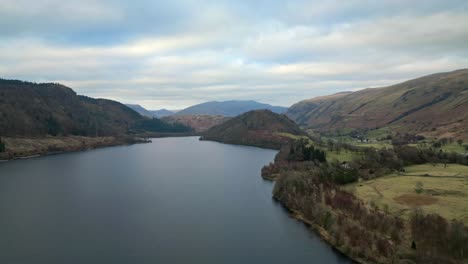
[[176, 200]]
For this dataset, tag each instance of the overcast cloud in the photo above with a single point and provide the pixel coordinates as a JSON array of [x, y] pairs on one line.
[[174, 54]]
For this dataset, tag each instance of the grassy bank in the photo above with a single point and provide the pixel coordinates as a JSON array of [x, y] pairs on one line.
[[25, 147]]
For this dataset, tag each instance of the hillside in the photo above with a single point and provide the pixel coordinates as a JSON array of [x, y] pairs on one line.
[[434, 106], [162, 113], [140, 109], [199, 123], [261, 128], [150, 113], [32, 110], [228, 108]]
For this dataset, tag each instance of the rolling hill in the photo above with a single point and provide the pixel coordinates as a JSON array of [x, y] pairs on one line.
[[261, 128], [434, 106], [228, 108], [31, 110]]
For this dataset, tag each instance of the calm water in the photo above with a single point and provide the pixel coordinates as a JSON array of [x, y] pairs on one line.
[[176, 200]]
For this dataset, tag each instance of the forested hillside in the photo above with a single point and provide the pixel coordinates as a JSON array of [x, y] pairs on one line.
[[30, 109], [261, 128]]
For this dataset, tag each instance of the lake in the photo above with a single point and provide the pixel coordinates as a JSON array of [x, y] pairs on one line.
[[175, 200]]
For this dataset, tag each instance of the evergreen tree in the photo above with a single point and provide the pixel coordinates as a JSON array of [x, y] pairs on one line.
[[2, 146]]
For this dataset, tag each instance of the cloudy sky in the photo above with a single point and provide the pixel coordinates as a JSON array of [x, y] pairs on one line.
[[177, 53]]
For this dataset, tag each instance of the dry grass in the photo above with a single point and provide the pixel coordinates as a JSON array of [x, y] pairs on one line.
[[415, 200], [444, 191], [377, 145]]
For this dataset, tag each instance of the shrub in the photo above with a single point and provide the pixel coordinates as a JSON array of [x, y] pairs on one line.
[[419, 187]]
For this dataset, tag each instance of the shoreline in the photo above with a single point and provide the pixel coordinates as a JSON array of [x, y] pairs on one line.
[[99, 142], [319, 231], [316, 229], [113, 141], [65, 152], [26, 148], [260, 145]]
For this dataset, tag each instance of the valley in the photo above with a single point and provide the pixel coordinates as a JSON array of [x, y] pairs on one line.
[[364, 187], [234, 131]]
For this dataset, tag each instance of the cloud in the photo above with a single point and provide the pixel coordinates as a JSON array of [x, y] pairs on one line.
[[175, 53]]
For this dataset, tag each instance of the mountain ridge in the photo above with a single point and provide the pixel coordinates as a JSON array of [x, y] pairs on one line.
[[150, 113], [229, 108], [140, 109], [435, 105]]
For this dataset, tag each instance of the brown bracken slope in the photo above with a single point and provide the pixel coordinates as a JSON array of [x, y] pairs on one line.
[[199, 123], [434, 106]]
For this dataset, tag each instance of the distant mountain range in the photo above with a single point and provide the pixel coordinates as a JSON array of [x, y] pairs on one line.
[[203, 116], [162, 113], [261, 128], [30, 109], [213, 108], [139, 109], [150, 113], [434, 105], [228, 108]]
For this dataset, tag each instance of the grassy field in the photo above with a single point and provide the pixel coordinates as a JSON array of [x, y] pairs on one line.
[[387, 144], [288, 135], [377, 145], [355, 142], [342, 155], [454, 147], [378, 133], [434, 189]]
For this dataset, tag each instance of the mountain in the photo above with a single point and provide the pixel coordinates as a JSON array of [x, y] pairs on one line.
[[30, 110], [434, 106], [139, 109], [228, 108], [199, 123], [162, 113], [261, 128], [150, 113]]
